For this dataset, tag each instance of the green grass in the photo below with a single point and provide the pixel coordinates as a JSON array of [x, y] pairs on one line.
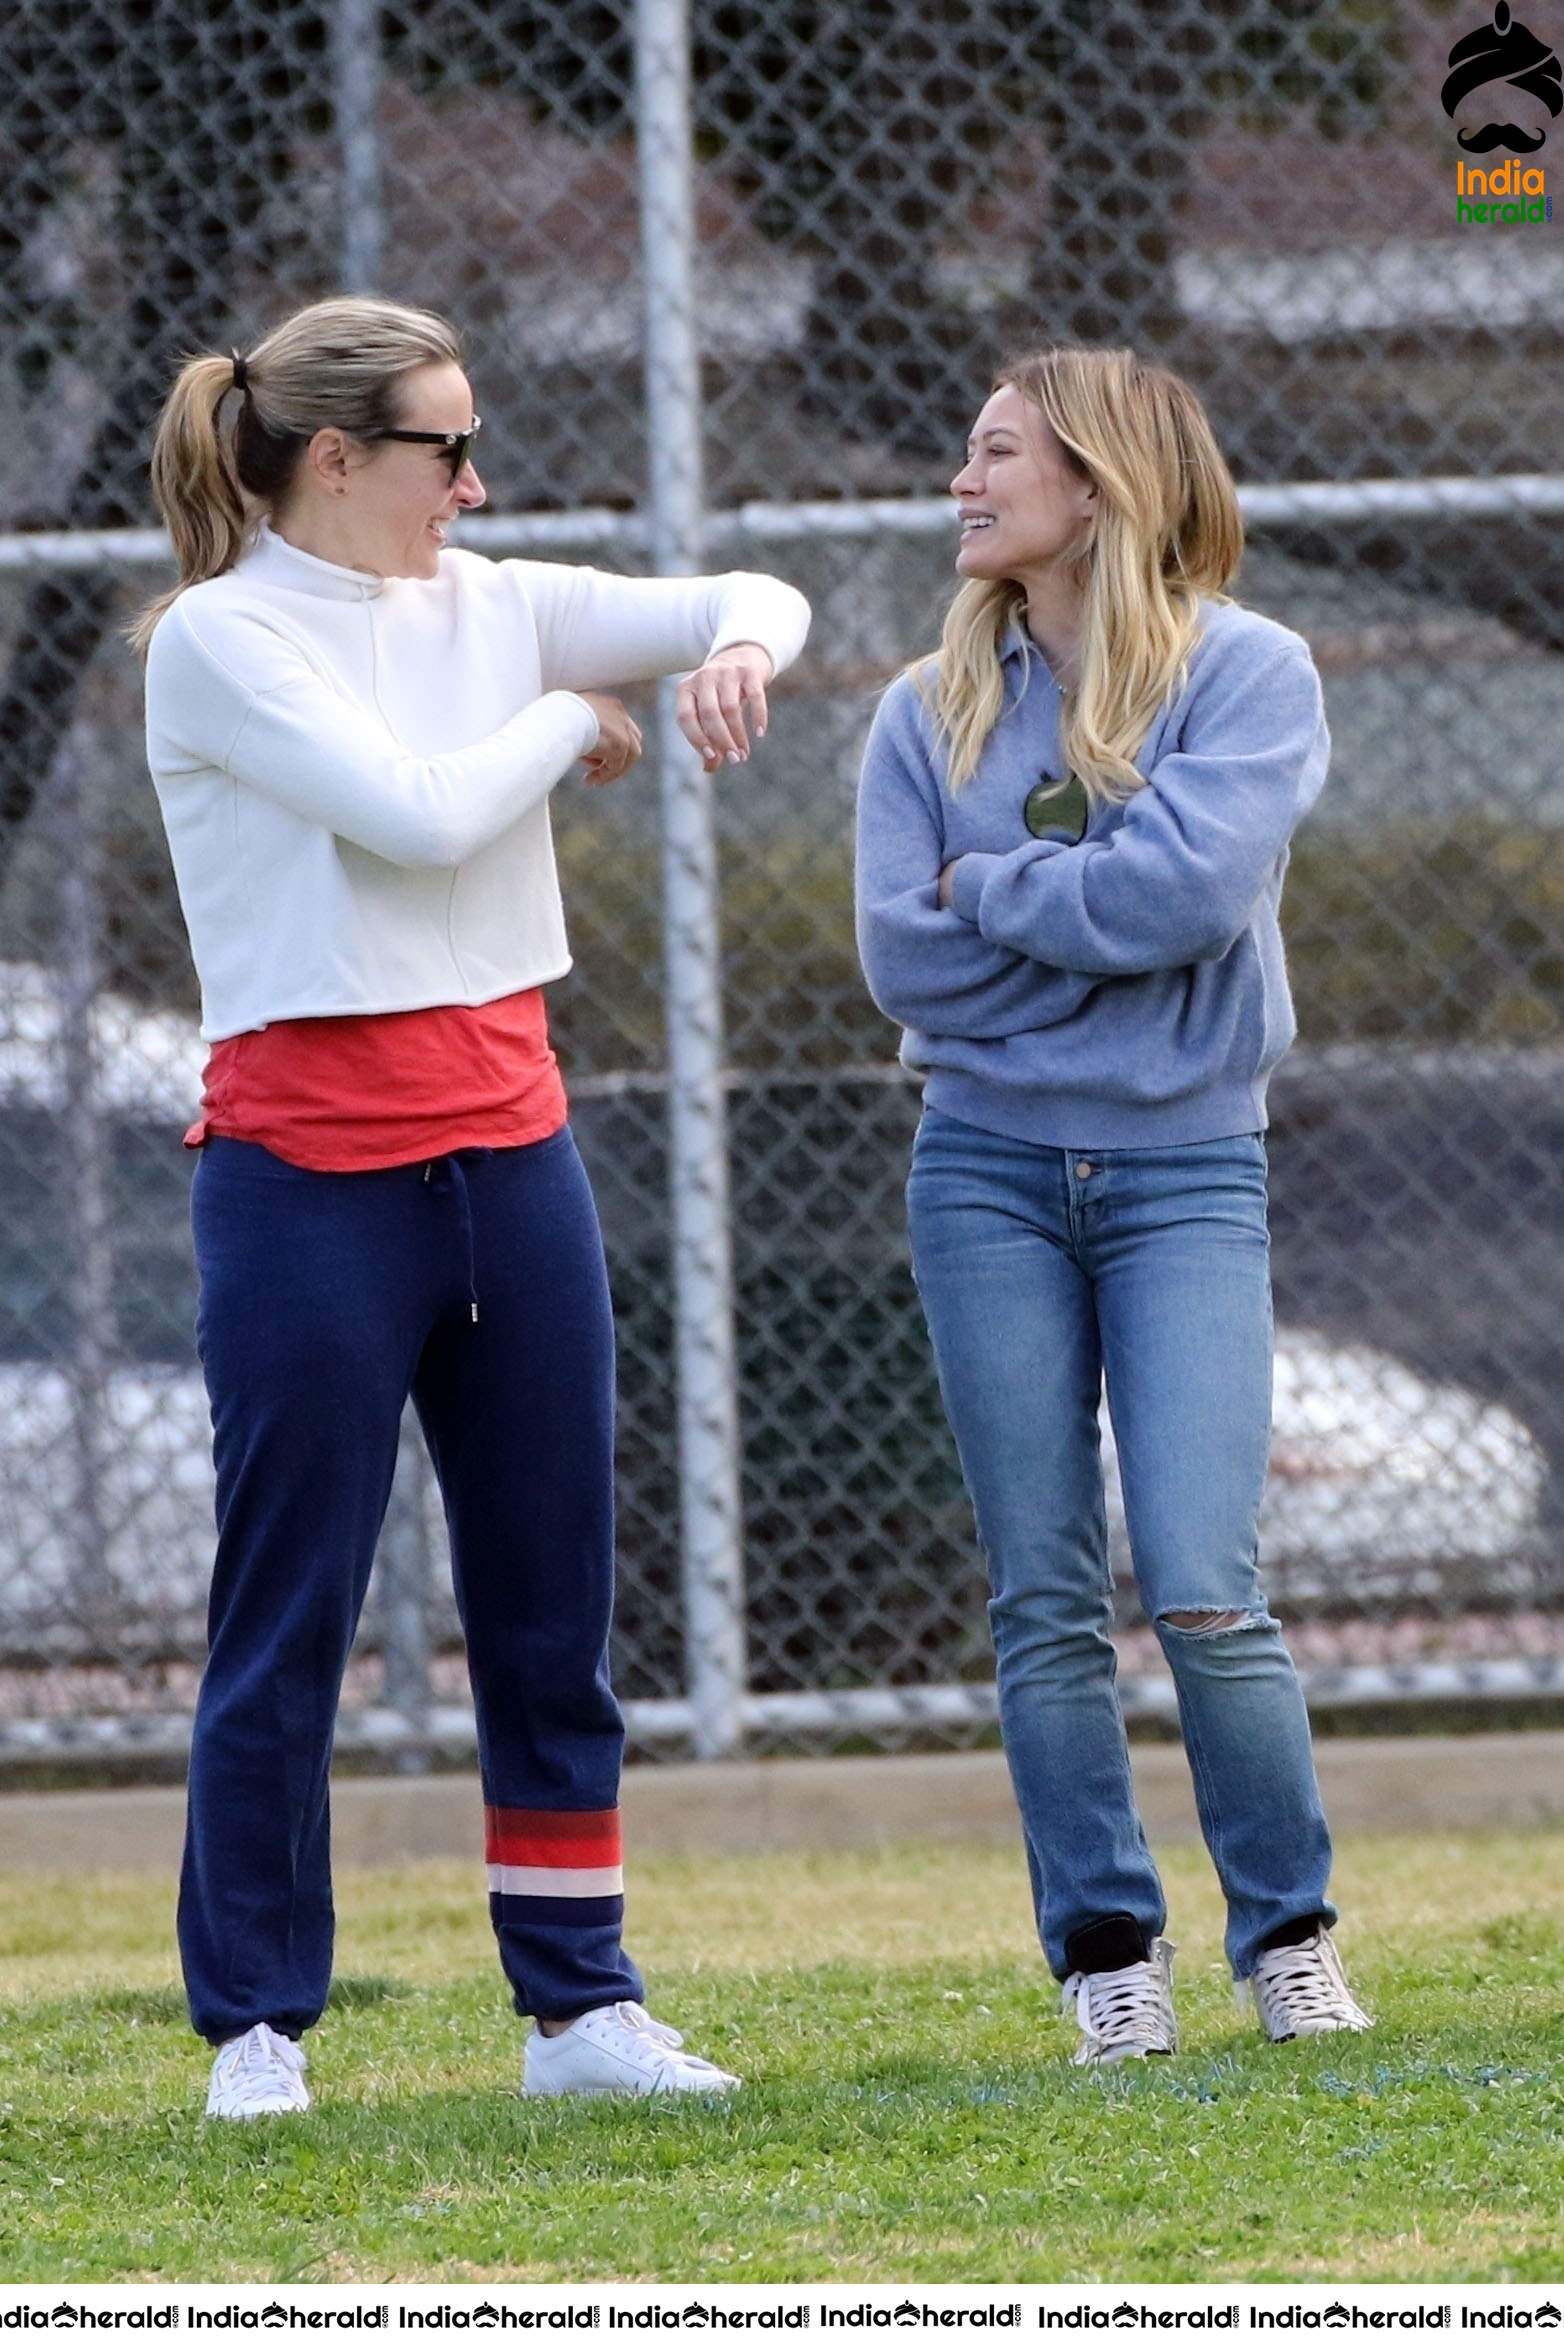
[[909, 2114]]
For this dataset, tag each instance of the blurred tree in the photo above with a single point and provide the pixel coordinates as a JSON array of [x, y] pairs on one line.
[[203, 105], [862, 130], [870, 127], [859, 129]]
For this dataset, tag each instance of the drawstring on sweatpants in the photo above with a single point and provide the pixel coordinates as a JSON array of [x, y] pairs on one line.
[[442, 1173]]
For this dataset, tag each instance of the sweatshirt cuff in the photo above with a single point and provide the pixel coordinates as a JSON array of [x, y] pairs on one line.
[[968, 881], [594, 731], [780, 632]]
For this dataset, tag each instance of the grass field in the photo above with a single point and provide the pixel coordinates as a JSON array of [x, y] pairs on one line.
[[910, 2113]]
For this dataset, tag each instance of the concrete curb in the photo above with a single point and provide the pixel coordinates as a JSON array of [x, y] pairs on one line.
[[1482, 1783]]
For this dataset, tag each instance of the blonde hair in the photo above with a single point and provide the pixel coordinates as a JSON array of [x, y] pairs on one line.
[[214, 476], [1167, 531]]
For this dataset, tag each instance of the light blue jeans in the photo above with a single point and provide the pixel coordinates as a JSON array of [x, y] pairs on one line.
[[1040, 1270]]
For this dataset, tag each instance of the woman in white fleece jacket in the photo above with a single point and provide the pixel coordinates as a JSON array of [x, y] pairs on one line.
[[354, 730]]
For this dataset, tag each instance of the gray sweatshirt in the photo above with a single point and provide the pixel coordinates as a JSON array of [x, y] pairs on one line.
[[1128, 991]]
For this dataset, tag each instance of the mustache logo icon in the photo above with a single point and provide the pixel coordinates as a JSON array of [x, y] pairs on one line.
[[1500, 134], [1507, 52]]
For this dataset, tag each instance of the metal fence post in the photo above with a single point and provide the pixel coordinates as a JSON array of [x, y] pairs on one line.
[[711, 1505], [86, 1170], [355, 70]]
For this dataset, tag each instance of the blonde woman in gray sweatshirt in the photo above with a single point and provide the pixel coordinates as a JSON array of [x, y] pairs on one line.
[[1073, 827]]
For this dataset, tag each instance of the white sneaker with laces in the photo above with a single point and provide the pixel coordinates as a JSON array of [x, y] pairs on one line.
[[618, 2048], [1124, 2015], [1303, 1991], [257, 2075]]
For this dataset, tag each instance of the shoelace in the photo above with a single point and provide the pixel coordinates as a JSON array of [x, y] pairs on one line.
[[250, 2069], [1309, 1983], [637, 2017], [1119, 2007]]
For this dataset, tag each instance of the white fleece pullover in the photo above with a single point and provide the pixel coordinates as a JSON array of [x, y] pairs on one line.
[[354, 772]]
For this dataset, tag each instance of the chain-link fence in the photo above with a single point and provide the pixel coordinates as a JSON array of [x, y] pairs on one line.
[[733, 287]]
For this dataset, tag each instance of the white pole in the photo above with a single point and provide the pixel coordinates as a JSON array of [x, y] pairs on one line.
[[711, 1507], [355, 65], [1264, 504]]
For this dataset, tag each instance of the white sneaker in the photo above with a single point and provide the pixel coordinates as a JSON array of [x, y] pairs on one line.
[[1303, 1991], [1124, 2015], [618, 2048], [256, 2074]]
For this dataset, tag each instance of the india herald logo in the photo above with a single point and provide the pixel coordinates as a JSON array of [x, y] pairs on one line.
[[1507, 52]]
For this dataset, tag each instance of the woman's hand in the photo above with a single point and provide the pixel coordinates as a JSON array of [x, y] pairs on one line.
[[618, 739], [947, 881], [715, 700]]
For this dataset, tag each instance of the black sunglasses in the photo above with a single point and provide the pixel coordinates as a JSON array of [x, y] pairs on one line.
[[454, 447]]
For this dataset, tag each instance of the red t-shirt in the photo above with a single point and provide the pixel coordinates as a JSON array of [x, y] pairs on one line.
[[354, 1095]]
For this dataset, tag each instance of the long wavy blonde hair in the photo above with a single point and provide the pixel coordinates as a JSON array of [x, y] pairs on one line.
[[1167, 531], [215, 474]]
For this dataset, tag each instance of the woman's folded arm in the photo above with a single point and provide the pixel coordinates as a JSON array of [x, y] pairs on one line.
[[1178, 879], [925, 966], [282, 730]]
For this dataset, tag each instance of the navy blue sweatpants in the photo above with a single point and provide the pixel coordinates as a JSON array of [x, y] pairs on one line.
[[477, 1284]]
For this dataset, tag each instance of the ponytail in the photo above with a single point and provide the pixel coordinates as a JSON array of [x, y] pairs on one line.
[[195, 482]]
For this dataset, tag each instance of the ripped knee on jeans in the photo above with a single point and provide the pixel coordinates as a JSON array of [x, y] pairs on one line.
[[1204, 1623]]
